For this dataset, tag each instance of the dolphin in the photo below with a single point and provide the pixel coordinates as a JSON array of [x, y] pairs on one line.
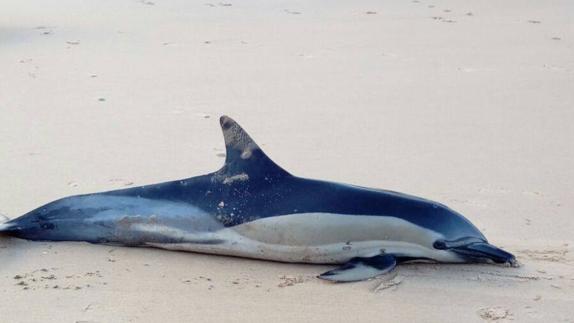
[[253, 208]]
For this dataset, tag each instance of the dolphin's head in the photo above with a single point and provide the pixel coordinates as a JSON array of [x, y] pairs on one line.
[[462, 238]]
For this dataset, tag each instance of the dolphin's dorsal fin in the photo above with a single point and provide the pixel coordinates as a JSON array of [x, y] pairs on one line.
[[244, 159]]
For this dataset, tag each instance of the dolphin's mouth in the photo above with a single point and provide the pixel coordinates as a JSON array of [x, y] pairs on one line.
[[477, 250]]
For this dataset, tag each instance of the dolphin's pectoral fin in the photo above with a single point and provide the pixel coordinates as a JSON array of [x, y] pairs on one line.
[[361, 268], [244, 160]]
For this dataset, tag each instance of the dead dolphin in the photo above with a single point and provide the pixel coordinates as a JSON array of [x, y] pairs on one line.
[[253, 208]]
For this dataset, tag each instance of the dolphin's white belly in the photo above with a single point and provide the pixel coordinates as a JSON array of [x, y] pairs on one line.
[[318, 238]]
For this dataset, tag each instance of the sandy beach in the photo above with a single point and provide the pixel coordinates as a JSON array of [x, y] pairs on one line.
[[469, 103]]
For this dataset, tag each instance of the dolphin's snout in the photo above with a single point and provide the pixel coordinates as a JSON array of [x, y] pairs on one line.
[[481, 251], [491, 252], [477, 250]]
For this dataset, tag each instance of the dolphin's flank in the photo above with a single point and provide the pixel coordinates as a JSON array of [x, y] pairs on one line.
[[253, 208]]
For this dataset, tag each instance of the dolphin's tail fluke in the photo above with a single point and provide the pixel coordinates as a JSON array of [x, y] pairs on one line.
[[484, 250]]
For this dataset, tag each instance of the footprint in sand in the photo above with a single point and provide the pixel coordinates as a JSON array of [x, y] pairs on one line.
[[49, 279], [203, 115], [495, 314], [441, 19], [533, 193], [45, 30], [493, 190], [121, 181], [291, 12], [389, 284], [287, 281]]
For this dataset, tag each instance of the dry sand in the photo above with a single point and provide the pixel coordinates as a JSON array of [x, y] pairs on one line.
[[470, 103]]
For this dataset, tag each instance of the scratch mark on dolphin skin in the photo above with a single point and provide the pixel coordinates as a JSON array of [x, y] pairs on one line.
[[239, 177]]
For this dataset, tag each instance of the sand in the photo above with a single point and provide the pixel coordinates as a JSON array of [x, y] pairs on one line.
[[464, 102]]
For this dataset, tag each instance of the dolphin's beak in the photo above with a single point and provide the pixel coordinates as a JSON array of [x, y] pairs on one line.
[[484, 251]]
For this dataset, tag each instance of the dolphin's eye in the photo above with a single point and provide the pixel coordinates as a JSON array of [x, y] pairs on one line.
[[439, 244]]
